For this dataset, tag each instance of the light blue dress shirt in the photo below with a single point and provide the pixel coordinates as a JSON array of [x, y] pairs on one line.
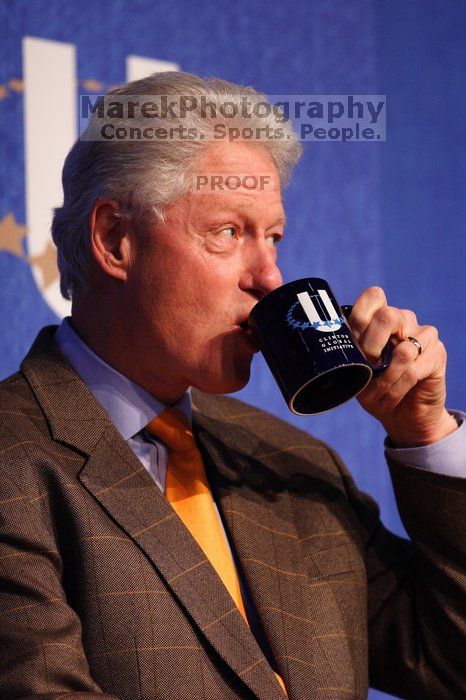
[[131, 408]]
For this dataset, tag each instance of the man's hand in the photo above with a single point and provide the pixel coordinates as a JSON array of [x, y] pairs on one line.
[[409, 397]]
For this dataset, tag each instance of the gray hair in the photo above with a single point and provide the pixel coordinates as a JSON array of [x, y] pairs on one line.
[[146, 176]]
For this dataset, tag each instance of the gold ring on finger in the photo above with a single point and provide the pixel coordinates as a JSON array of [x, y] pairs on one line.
[[415, 342]]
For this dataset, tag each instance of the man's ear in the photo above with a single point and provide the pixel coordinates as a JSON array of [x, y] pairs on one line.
[[109, 238]]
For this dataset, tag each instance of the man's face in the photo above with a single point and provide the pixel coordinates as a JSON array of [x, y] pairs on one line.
[[195, 278]]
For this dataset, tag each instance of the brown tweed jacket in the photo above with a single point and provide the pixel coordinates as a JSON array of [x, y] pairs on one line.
[[104, 593]]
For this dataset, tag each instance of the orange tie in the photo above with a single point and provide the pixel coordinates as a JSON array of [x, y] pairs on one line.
[[188, 491]]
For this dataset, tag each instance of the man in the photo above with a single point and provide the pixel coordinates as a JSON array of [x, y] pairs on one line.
[[107, 588]]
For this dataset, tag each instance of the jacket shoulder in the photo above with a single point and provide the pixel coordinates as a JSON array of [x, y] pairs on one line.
[[18, 405], [26, 444], [270, 440], [263, 423]]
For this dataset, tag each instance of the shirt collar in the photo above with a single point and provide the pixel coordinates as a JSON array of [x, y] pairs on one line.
[[129, 406]]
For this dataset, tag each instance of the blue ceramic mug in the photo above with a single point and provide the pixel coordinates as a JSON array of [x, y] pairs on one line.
[[306, 340]]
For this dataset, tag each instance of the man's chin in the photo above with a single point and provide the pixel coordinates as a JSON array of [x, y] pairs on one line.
[[225, 384]]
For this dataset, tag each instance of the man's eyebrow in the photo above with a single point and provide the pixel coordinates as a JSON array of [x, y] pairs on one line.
[[221, 216], [279, 222]]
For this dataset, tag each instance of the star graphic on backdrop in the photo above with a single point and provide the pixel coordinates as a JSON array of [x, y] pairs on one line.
[[16, 84], [3, 92], [92, 85], [47, 264], [11, 235]]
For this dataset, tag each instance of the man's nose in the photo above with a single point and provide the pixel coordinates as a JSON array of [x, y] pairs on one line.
[[262, 275]]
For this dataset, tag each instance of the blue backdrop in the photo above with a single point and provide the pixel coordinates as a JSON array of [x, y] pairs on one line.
[[388, 213]]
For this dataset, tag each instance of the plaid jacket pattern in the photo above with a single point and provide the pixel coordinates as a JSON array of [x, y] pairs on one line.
[[104, 594]]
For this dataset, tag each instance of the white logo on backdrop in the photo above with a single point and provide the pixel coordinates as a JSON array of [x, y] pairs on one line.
[[50, 129]]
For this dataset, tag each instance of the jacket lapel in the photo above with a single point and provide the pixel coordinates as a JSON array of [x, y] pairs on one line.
[[118, 481], [259, 516], [126, 491]]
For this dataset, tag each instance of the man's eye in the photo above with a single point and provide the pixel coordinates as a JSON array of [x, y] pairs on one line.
[[274, 240], [229, 232]]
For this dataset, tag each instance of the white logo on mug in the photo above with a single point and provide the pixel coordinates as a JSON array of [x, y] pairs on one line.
[[313, 307]]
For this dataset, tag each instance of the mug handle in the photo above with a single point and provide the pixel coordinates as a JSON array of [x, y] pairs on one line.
[[386, 356]]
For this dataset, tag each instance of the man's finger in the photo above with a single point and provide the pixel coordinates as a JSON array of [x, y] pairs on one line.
[[425, 366], [386, 322], [404, 355], [364, 308]]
